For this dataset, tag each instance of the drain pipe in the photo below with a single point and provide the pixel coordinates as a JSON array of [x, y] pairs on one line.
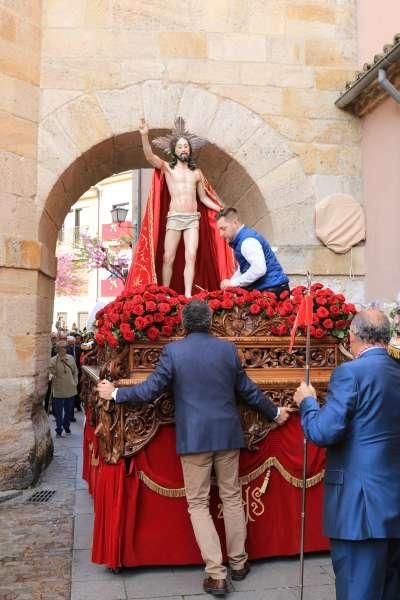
[[388, 86]]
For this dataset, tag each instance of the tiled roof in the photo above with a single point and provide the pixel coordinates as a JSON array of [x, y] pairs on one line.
[[363, 89]]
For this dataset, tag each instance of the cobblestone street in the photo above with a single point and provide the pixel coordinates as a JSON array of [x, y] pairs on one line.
[[45, 551]]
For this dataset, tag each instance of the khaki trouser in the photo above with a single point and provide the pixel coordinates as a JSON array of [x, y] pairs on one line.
[[197, 478]]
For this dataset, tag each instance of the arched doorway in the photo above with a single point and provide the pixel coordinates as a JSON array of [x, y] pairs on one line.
[[95, 135]]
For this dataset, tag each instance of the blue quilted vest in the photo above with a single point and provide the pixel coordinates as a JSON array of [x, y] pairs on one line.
[[274, 276]]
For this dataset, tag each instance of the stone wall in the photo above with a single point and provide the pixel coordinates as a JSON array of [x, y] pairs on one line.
[[25, 301], [258, 78]]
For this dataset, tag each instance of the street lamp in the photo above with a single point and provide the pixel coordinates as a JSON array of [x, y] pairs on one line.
[[118, 213]]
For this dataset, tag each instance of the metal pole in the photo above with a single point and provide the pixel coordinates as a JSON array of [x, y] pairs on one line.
[[304, 478]]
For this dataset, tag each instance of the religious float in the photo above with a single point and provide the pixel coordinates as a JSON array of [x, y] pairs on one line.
[[130, 462]]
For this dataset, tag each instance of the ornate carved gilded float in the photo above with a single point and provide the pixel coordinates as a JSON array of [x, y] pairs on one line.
[[123, 430]]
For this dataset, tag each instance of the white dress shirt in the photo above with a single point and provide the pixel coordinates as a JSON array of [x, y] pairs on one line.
[[252, 251]]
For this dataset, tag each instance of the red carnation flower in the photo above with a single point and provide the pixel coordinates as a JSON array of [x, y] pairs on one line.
[[340, 324], [138, 309], [269, 311], [319, 333], [255, 309], [158, 318], [164, 308], [297, 298], [149, 296], [127, 332], [214, 304], [328, 323], [139, 323], [335, 310], [148, 320], [322, 313], [114, 318], [100, 339], [112, 341], [151, 306], [321, 300], [282, 329], [299, 289], [316, 286], [254, 294], [125, 316], [288, 306], [227, 303], [136, 299], [284, 295], [161, 298], [166, 330], [152, 333]]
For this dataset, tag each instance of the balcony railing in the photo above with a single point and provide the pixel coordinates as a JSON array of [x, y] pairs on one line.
[[71, 236]]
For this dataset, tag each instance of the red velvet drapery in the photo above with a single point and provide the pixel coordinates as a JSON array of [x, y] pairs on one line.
[[137, 525]]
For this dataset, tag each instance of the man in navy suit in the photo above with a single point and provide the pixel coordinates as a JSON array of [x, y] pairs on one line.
[[360, 426], [205, 376]]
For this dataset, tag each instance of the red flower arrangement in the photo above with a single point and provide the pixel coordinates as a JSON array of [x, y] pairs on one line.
[[152, 311]]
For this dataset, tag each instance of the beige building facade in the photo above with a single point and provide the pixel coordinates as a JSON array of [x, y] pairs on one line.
[[258, 79]]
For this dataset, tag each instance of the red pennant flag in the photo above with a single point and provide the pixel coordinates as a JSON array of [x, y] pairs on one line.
[[304, 317]]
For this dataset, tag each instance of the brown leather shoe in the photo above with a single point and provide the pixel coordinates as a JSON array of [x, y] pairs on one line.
[[240, 574], [216, 587]]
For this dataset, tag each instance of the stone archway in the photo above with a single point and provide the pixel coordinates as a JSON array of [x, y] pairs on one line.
[[90, 137]]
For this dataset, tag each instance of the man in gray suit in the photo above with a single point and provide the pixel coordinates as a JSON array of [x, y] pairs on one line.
[[204, 375]]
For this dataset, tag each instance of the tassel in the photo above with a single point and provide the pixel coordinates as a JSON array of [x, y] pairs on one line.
[[265, 483]]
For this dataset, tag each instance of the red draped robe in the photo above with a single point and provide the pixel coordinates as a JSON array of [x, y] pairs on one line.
[[214, 257]]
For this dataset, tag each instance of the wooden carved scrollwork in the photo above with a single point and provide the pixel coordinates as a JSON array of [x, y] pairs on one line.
[[264, 357], [142, 422], [239, 322], [89, 396], [109, 430], [123, 430], [255, 426], [116, 367], [143, 358], [260, 353]]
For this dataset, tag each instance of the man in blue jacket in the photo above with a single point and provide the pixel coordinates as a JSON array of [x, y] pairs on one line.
[[258, 268], [204, 375], [360, 426]]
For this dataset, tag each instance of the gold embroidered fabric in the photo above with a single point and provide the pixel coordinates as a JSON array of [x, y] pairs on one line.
[[272, 461]]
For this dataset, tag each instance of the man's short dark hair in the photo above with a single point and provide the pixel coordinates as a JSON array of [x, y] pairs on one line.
[[229, 213], [196, 316], [371, 326]]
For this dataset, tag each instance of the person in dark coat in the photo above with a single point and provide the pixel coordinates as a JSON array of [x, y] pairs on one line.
[[205, 376], [360, 426]]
